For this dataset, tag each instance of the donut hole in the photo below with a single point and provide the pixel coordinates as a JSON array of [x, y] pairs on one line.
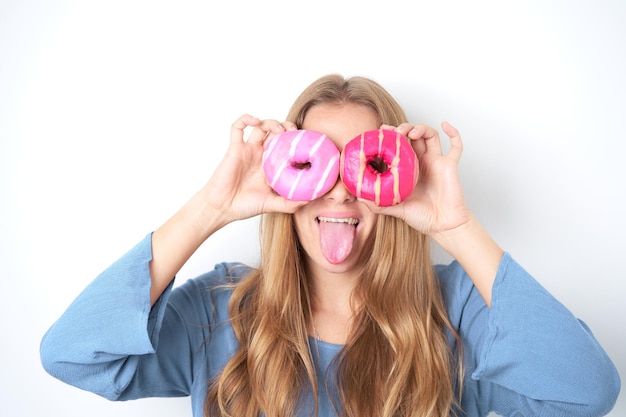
[[378, 164], [301, 165]]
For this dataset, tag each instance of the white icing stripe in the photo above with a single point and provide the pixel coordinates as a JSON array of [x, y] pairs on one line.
[[362, 162], [377, 183], [317, 145], [394, 170], [322, 181], [377, 190], [270, 147], [295, 185], [294, 143], [278, 172]]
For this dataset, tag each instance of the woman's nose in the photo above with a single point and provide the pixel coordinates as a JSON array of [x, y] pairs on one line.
[[339, 193]]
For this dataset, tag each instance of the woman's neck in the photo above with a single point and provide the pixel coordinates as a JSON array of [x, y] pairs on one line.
[[333, 306]]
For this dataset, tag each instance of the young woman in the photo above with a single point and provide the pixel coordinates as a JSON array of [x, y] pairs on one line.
[[371, 330]]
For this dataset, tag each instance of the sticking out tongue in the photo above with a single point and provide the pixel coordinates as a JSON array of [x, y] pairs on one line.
[[336, 240]]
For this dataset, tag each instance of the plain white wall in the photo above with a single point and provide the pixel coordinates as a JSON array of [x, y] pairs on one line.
[[113, 113]]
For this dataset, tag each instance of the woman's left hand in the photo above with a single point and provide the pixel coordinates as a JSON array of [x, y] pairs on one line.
[[437, 203], [437, 206]]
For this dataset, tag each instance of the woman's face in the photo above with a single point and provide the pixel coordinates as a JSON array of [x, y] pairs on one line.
[[334, 229]]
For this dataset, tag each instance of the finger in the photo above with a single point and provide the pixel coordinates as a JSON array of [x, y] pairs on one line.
[[456, 144], [429, 135], [387, 127], [419, 146], [394, 211], [289, 125], [237, 128], [372, 206], [404, 128], [424, 139], [264, 129], [278, 204]]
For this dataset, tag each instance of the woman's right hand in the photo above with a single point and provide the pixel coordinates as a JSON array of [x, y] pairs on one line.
[[238, 188]]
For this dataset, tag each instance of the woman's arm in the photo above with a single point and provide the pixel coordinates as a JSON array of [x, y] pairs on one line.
[[437, 206], [527, 354], [237, 190], [112, 342], [524, 351], [476, 251], [107, 341]]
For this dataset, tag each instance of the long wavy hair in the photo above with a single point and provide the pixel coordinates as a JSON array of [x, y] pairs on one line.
[[397, 360]]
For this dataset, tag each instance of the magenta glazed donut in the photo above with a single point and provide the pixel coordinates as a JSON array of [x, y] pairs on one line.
[[301, 165], [379, 165]]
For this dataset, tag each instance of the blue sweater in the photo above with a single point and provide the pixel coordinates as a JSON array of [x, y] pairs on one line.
[[526, 356]]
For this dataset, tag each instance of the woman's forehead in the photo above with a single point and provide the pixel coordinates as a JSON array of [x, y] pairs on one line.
[[341, 122]]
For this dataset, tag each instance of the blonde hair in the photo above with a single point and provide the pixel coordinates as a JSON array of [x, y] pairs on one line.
[[397, 360]]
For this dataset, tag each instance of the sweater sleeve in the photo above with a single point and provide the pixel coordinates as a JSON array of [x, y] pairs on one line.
[[527, 355], [112, 342]]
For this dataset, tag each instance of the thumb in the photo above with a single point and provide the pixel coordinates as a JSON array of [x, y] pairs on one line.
[[279, 204], [397, 210]]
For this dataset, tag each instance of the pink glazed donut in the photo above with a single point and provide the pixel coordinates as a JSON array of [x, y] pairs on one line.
[[379, 165], [301, 165]]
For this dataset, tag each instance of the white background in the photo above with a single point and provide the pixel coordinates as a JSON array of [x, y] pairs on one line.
[[112, 114]]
